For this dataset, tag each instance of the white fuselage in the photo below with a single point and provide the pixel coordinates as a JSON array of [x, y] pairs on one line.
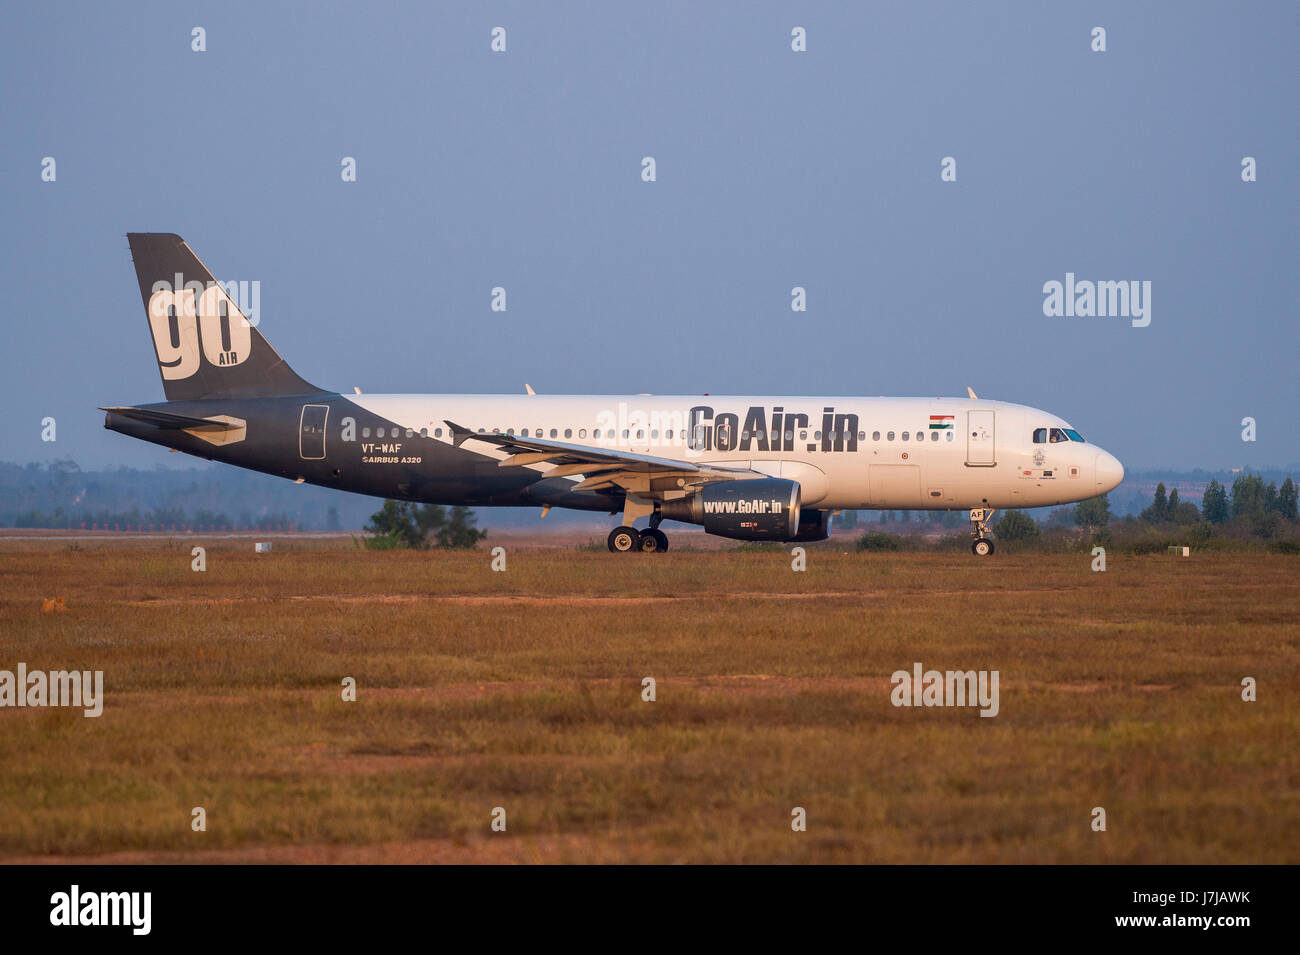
[[887, 453]]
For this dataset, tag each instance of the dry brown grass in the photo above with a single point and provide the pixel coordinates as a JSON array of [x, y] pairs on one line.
[[522, 690]]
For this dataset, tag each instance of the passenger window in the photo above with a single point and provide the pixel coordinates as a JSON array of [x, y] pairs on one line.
[[875, 436], [803, 435], [1040, 436], [365, 432], [568, 432], [789, 435], [890, 436], [437, 432], [949, 433], [934, 435], [610, 433], [582, 432], [817, 435], [654, 434], [905, 435], [410, 433]]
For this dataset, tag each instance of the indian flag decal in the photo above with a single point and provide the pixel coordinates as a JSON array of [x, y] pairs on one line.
[[941, 422]]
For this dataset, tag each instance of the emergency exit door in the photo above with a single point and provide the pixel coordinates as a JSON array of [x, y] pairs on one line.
[[979, 439], [311, 432]]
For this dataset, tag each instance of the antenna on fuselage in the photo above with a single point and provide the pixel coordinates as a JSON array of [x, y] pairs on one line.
[[529, 388], [971, 391]]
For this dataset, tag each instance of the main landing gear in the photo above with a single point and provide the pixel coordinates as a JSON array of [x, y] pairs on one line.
[[626, 539], [982, 546]]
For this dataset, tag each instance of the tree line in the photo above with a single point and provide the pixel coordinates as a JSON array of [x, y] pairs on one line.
[[1251, 508]]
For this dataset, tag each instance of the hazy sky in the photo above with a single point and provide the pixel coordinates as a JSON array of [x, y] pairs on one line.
[[775, 169]]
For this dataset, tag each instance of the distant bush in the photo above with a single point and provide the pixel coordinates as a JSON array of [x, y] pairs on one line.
[[1284, 545], [403, 524], [879, 540], [1149, 544], [1016, 526]]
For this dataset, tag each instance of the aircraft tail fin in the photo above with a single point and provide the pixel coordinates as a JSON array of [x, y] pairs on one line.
[[206, 346]]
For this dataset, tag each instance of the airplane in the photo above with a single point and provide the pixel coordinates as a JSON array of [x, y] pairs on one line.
[[741, 467]]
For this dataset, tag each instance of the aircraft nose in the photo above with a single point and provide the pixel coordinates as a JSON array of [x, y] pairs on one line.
[[1109, 472]]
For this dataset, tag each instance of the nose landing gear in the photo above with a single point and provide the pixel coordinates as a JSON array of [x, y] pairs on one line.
[[982, 546]]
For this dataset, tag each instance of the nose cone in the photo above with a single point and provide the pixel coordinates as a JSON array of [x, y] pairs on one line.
[[1109, 472]]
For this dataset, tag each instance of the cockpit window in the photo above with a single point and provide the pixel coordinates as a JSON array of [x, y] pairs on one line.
[[1058, 436], [1075, 436], [1040, 436]]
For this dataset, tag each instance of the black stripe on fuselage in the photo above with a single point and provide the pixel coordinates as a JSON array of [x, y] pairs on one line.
[[414, 468]]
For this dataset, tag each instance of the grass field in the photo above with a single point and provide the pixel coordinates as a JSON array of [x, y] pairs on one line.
[[522, 689]]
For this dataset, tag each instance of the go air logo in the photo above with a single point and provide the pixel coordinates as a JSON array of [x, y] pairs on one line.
[[185, 316], [742, 507], [75, 907], [946, 688], [1127, 298]]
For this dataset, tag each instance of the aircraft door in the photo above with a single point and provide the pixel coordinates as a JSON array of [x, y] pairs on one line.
[[311, 432], [895, 485], [979, 439]]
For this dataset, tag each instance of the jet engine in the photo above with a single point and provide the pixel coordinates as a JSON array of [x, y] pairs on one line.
[[814, 524], [763, 509]]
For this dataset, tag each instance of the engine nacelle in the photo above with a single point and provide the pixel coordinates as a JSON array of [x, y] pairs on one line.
[[814, 524], [763, 509]]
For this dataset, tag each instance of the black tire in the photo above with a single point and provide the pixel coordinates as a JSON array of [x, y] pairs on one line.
[[654, 541], [624, 540], [982, 547]]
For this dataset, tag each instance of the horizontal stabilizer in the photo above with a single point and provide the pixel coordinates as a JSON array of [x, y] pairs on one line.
[[174, 422]]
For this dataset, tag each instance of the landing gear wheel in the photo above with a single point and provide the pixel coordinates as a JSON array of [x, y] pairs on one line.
[[624, 540], [980, 517], [654, 541]]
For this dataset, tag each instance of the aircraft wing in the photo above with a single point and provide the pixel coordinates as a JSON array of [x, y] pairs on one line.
[[602, 467]]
